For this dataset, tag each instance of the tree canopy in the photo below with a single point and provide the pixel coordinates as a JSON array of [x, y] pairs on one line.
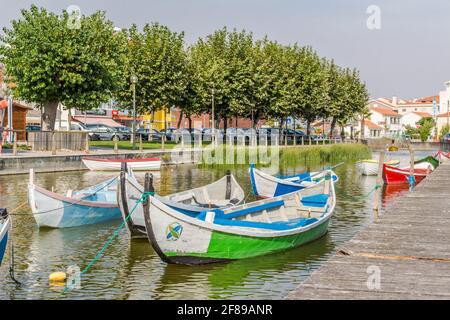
[[51, 63]]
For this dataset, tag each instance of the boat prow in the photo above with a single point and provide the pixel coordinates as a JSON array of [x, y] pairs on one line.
[[5, 226]]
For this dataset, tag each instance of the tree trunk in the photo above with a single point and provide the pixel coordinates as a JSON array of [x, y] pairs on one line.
[[333, 125], [179, 120], [342, 133], [190, 123], [49, 115], [308, 127], [362, 133]]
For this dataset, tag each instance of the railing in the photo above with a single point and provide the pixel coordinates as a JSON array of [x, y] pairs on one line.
[[85, 141]]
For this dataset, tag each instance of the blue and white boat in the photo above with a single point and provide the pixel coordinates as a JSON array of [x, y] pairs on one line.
[[92, 205], [5, 225], [267, 186]]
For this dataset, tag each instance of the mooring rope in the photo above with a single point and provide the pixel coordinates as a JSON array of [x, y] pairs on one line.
[[364, 196], [144, 197]]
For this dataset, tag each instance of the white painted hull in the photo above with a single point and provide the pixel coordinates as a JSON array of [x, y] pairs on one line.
[[58, 211], [96, 165], [370, 168]]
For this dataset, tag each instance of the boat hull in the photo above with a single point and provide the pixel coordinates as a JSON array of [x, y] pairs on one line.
[[222, 246], [4, 232], [57, 211], [370, 168], [392, 175], [115, 165]]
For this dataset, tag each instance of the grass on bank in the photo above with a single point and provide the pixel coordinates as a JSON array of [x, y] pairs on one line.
[[287, 157]]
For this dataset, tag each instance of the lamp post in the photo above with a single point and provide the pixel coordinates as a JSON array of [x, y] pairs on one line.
[[134, 80], [213, 129]]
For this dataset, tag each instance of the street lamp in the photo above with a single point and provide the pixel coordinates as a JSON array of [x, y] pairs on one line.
[[213, 129], [133, 80]]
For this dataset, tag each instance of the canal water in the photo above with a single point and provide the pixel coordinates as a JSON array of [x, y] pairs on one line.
[[132, 270]]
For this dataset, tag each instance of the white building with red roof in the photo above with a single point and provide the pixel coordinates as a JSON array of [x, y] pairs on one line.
[[412, 118]]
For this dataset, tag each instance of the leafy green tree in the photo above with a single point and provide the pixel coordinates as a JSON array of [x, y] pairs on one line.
[[158, 59], [425, 127], [445, 129], [51, 63]]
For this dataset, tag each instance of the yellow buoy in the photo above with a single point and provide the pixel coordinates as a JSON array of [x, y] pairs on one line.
[[57, 277]]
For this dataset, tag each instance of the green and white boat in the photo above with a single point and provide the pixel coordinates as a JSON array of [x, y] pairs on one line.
[[244, 231]]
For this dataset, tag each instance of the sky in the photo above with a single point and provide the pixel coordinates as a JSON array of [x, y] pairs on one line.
[[407, 56]]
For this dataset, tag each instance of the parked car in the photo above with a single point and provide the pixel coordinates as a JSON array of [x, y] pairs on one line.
[[154, 134], [78, 126], [32, 127], [104, 132], [168, 133]]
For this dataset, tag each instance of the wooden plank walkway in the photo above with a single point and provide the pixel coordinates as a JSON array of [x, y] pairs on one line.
[[408, 247]]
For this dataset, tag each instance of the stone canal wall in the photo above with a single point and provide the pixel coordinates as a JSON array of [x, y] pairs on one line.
[[72, 161]]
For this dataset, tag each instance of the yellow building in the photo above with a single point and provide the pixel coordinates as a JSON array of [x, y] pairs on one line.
[[158, 119]]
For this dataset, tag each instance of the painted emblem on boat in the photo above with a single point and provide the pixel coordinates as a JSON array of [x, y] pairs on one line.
[[173, 231]]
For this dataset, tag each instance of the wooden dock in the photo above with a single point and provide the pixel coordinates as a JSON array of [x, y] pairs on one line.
[[405, 254]]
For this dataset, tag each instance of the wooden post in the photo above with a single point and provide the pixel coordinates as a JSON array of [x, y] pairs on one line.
[[141, 148], [377, 198], [411, 167], [310, 142], [116, 146], [53, 143], [86, 148], [303, 140], [15, 144], [163, 139]]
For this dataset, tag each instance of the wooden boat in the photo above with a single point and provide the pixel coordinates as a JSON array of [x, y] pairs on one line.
[[138, 164], [267, 186], [244, 231], [426, 162], [370, 167], [5, 225], [88, 206], [393, 175], [223, 193]]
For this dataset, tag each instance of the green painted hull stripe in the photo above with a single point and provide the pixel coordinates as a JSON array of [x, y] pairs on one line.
[[232, 246]]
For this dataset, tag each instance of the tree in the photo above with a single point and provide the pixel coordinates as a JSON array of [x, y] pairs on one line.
[[425, 127], [158, 59], [52, 63]]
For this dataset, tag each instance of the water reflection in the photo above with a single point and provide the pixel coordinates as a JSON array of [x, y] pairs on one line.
[[132, 270]]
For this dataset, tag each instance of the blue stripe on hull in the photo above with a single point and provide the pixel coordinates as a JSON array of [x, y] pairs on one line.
[[3, 243], [283, 189], [79, 215]]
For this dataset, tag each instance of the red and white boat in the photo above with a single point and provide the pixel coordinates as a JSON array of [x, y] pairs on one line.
[[393, 175], [138, 164]]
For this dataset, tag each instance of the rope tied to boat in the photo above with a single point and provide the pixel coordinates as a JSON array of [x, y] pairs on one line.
[[144, 197]]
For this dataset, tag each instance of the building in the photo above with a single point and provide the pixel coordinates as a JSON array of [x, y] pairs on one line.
[[18, 117], [444, 99], [383, 114], [412, 118], [371, 130], [442, 120]]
